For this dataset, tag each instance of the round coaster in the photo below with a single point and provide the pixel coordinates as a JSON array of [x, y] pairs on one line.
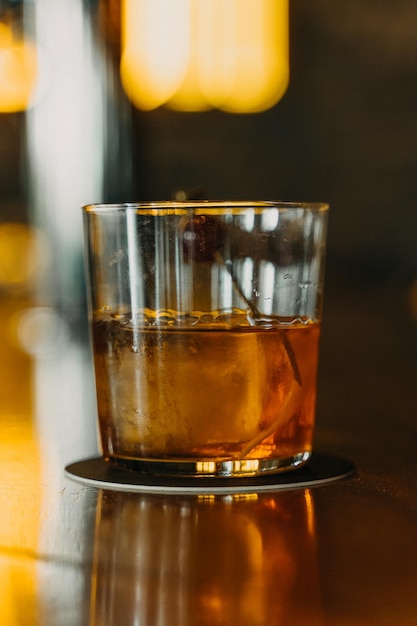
[[319, 470]]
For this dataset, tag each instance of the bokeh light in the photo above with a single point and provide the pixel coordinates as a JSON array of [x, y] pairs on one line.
[[18, 71], [193, 55]]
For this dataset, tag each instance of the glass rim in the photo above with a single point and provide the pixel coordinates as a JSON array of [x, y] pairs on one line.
[[167, 206]]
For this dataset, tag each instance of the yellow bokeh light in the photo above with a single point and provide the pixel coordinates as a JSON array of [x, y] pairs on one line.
[[24, 254], [245, 62], [18, 71], [155, 50], [193, 55]]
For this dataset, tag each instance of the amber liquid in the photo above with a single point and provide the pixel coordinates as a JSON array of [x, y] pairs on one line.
[[203, 392]]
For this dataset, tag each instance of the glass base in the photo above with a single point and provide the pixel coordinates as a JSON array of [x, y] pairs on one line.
[[213, 467]]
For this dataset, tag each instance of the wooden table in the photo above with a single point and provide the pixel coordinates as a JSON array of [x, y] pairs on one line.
[[341, 554]]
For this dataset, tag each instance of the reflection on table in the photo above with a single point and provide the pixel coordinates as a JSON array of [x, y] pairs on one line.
[[245, 559]]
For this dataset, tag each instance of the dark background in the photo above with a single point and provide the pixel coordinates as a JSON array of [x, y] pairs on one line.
[[346, 133]]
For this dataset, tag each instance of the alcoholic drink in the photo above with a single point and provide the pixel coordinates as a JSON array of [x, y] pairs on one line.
[[208, 387]]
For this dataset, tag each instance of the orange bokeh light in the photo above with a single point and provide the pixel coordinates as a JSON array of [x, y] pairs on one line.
[[18, 71]]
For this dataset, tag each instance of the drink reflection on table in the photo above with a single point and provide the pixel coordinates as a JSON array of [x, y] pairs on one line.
[[187, 560]]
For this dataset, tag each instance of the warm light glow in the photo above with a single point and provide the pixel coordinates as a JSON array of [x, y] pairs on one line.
[[155, 38], [189, 94], [24, 254], [18, 71], [244, 60], [20, 469], [193, 55]]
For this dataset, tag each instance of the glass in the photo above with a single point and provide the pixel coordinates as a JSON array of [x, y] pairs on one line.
[[205, 322]]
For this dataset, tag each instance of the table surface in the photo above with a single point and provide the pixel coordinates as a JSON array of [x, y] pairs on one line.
[[343, 553]]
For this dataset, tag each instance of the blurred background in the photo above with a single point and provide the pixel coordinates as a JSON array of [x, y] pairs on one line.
[[344, 130]]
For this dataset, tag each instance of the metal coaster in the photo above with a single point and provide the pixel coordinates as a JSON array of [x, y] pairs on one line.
[[319, 470]]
